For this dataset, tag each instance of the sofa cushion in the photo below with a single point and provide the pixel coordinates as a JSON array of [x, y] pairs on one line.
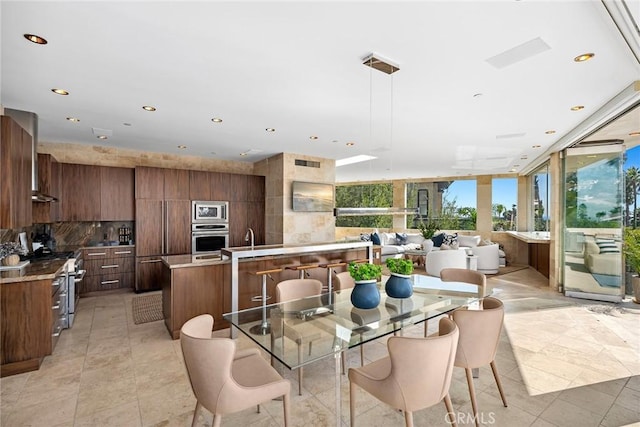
[[365, 237], [392, 250], [607, 246], [415, 238], [468, 241], [401, 238], [451, 239]]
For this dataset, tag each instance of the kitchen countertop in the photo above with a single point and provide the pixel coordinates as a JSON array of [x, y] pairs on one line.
[[182, 261], [531, 236], [35, 270]]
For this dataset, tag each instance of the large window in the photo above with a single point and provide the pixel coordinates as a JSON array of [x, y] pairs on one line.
[[541, 202], [365, 196], [504, 198], [451, 204]]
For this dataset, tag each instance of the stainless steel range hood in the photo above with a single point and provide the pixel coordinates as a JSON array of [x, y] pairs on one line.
[[29, 122]]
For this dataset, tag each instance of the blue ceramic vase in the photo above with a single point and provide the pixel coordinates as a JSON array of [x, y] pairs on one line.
[[399, 286], [365, 294]]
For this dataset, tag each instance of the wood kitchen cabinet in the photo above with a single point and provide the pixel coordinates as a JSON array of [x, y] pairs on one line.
[[238, 187], [177, 227], [199, 185], [108, 267], [15, 175], [220, 186], [49, 183], [255, 188], [244, 215], [149, 183], [117, 200], [176, 184], [149, 227], [192, 291], [81, 193], [27, 315], [148, 273]]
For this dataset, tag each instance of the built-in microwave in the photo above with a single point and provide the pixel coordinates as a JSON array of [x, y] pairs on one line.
[[213, 211]]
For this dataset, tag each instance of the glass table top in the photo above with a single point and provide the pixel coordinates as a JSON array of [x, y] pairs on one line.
[[302, 331]]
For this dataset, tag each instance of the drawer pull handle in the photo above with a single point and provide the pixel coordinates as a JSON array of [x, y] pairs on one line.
[[110, 266], [150, 261], [98, 254], [121, 252], [109, 282], [258, 298], [57, 334], [57, 306]]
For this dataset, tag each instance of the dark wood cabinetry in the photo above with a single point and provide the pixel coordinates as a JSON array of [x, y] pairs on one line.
[[148, 273], [117, 201], [149, 231], [108, 268], [220, 186], [176, 184], [49, 183], [80, 193], [149, 183], [189, 292], [15, 175], [26, 321], [177, 227], [199, 185]]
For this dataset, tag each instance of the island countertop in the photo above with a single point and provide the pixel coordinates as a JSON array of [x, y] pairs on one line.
[[531, 236], [35, 270]]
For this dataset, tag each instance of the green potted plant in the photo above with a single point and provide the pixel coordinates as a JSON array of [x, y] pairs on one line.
[[428, 229], [399, 284], [631, 251], [365, 293]]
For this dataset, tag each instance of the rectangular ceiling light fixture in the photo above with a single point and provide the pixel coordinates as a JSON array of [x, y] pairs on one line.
[[519, 53], [354, 159], [384, 65]]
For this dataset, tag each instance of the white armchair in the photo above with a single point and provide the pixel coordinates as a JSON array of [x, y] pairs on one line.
[[488, 258], [437, 260]]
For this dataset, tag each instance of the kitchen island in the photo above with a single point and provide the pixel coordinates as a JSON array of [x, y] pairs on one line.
[[230, 283]]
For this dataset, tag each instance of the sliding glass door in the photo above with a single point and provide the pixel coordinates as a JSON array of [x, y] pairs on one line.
[[593, 198]]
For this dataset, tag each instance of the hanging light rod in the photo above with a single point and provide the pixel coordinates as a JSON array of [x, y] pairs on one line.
[[374, 60], [374, 211]]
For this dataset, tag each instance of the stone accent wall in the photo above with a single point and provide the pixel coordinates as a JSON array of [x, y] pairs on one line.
[[120, 157], [282, 224]]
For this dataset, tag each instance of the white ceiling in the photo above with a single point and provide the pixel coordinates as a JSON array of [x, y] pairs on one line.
[[297, 67]]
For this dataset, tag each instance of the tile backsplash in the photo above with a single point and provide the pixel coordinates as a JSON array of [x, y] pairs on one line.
[[73, 234]]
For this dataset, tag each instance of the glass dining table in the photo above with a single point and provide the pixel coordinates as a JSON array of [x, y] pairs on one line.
[[332, 324]]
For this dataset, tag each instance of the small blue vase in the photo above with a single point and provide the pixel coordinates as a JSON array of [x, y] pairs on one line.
[[399, 286], [365, 294]]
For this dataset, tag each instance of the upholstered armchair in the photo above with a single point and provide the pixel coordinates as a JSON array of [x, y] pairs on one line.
[[488, 258], [451, 258]]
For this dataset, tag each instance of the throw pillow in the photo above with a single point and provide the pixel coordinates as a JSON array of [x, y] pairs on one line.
[[401, 238], [375, 239], [445, 247], [450, 239], [437, 240], [607, 246], [365, 237]]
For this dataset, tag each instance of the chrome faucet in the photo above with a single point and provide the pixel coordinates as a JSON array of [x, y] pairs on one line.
[[250, 235]]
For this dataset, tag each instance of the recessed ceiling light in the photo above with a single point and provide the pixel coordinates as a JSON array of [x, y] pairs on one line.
[[577, 107], [584, 57], [216, 120], [477, 95], [313, 137], [350, 144], [243, 154], [182, 147], [523, 158], [73, 119], [127, 124], [101, 137], [59, 91], [550, 132], [35, 39], [636, 133], [536, 146], [148, 108], [270, 129], [214, 153]]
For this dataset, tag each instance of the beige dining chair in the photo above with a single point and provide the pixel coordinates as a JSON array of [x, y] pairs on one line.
[[225, 380], [415, 375], [302, 334], [465, 276], [345, 281], [478, 343]]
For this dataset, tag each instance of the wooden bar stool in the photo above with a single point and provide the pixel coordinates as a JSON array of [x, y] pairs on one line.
[[301, 268], [263, 328], [330, 266]]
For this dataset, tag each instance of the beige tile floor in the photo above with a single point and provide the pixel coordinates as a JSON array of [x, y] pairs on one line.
[[563, 362]]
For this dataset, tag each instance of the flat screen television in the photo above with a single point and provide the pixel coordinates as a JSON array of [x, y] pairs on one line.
[[312, 197]]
